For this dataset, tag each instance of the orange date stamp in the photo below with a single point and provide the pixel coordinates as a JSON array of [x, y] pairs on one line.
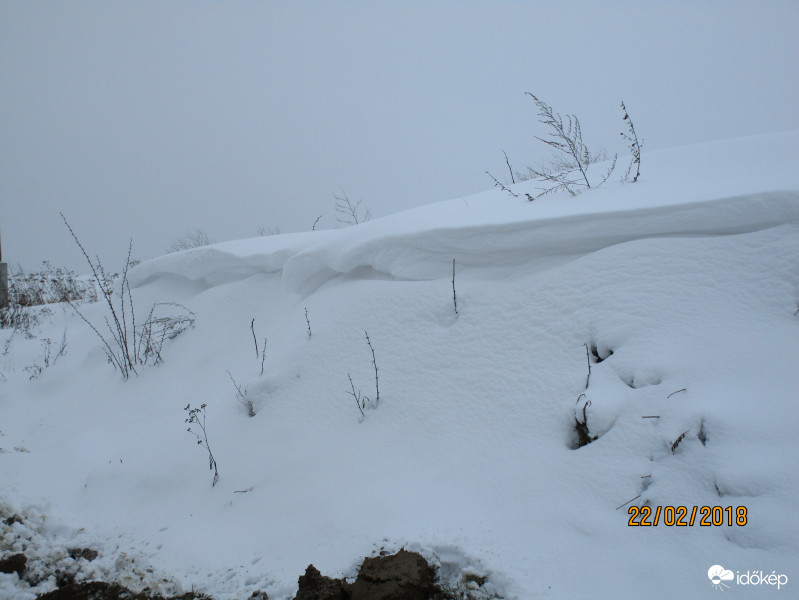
[[684, 516]]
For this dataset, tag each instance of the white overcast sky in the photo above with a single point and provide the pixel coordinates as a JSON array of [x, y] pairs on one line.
[[146, 119]]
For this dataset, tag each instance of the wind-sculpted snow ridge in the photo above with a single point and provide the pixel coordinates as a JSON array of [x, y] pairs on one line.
[[428, 254], [704, 190]]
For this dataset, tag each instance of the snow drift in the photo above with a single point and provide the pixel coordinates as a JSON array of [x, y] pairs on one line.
[[679, 291]]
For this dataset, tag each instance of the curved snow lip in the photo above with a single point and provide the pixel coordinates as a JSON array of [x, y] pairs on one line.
[[397, 251], [428, 254]]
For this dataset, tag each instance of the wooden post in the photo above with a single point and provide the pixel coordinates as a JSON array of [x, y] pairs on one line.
[[3, 280]]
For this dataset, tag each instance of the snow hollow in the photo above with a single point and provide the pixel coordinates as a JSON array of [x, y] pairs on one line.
[[680, 293]]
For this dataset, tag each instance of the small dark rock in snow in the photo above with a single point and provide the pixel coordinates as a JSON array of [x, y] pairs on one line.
[[86, 553], [14, 564], [12, 519]]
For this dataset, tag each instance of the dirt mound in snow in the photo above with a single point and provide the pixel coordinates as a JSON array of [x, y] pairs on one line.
[[401, 576], [100, 590], [37, 563]]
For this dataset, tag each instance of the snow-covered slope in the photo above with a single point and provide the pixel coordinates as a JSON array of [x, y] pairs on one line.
[[684, 286]]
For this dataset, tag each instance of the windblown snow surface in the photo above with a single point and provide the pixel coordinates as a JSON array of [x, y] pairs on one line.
[[685, 284]]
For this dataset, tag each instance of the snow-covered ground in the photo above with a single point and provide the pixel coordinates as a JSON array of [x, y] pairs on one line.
[[684, 286]]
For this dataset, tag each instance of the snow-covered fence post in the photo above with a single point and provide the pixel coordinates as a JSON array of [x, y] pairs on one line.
[[3, 280]]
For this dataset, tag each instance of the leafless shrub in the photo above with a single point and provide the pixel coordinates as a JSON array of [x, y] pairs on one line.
[[351, 214], [635, 146], [126, 344], [195, 238], [567, 169], [264, 231]]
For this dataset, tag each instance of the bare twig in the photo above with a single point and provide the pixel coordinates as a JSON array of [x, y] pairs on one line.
[[308, 322], [357, 395], [254, 341], [454, 298], [587, 360], [374, 364], [263, 357], [502, 186], [630, 500], [510, 169], [677, 392]]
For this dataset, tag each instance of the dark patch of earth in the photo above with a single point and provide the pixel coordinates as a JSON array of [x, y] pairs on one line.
[[401, 576]]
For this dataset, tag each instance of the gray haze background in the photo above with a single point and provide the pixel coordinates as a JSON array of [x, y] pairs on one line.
[[146, 119]]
